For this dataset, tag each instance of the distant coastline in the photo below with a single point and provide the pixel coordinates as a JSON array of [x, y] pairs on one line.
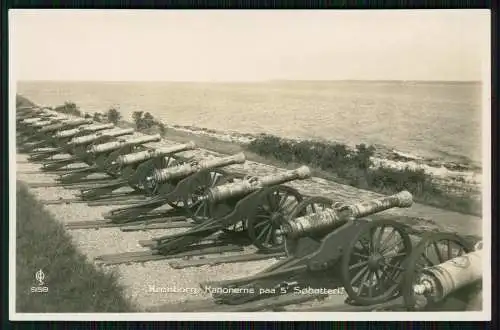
[[437, 82]]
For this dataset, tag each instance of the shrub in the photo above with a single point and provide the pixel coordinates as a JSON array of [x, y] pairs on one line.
[[354, 167], [146, 122], [69, 108], [114, 116], [162, 129], [97, 117], [143, 120], [137, 117]]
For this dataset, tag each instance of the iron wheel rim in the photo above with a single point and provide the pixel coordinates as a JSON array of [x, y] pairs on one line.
[[372, 257]]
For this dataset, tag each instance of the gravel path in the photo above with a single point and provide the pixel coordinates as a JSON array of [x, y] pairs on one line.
[[139, 279]]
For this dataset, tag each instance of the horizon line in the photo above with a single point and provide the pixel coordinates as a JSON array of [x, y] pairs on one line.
[[254, 81]]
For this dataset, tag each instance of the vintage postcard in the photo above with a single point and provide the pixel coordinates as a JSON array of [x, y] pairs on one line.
[[250, 165]]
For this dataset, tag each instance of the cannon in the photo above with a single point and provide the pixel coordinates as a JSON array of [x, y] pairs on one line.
[[173, 185], [442, 273], [440, 266], [232, 207], [43, 132], [48, 135], [30, 125], [128, 171], [61, 139], [35, 113], [28, 129], [131, 169], [184, 179], [77, 147], [97, 156], [328, 244], [25, 111]]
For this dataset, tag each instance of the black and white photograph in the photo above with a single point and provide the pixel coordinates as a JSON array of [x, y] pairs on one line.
[[250, 164]]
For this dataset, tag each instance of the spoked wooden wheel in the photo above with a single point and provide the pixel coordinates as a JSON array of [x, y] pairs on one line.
[[371, 266], [308, 206], [146, 170], [198, 208], [154, 188], [274, 206], [111, 166], [107, 163], [432, 250]]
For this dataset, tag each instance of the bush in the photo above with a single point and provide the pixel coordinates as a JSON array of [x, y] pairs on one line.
[[353, 167], [137, 117], [162, 129], [146, 122], [69, 108], [143, 120], [97, 117], [114, 116]]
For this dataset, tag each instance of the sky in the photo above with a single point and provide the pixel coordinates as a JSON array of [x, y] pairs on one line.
[[132, 45]]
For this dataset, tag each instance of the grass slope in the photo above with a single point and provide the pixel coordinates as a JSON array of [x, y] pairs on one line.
[[74, 284]]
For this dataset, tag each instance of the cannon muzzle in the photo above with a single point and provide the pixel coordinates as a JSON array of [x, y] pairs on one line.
[[141, 156], [402, 199], [437, 282], [92, 137], [252, 184], [111, 146]]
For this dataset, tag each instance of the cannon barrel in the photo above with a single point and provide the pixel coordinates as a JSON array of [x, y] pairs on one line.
[[141, 156], [36, 114], [88, 128], [92, 137], [31, 120], [47, 122], [438, 281], [41, 123], [249, 185], [26, 108], [39, 115], [110, 146], [65, 124], [44, 114], [184, 170], [20, 117], [325, 220], [51, 114], [70, 132]]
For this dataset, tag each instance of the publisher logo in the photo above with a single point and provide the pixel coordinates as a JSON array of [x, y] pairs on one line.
[[40, 277]]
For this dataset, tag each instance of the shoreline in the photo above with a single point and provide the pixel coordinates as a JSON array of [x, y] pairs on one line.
[[450, 175], [381, 152]]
